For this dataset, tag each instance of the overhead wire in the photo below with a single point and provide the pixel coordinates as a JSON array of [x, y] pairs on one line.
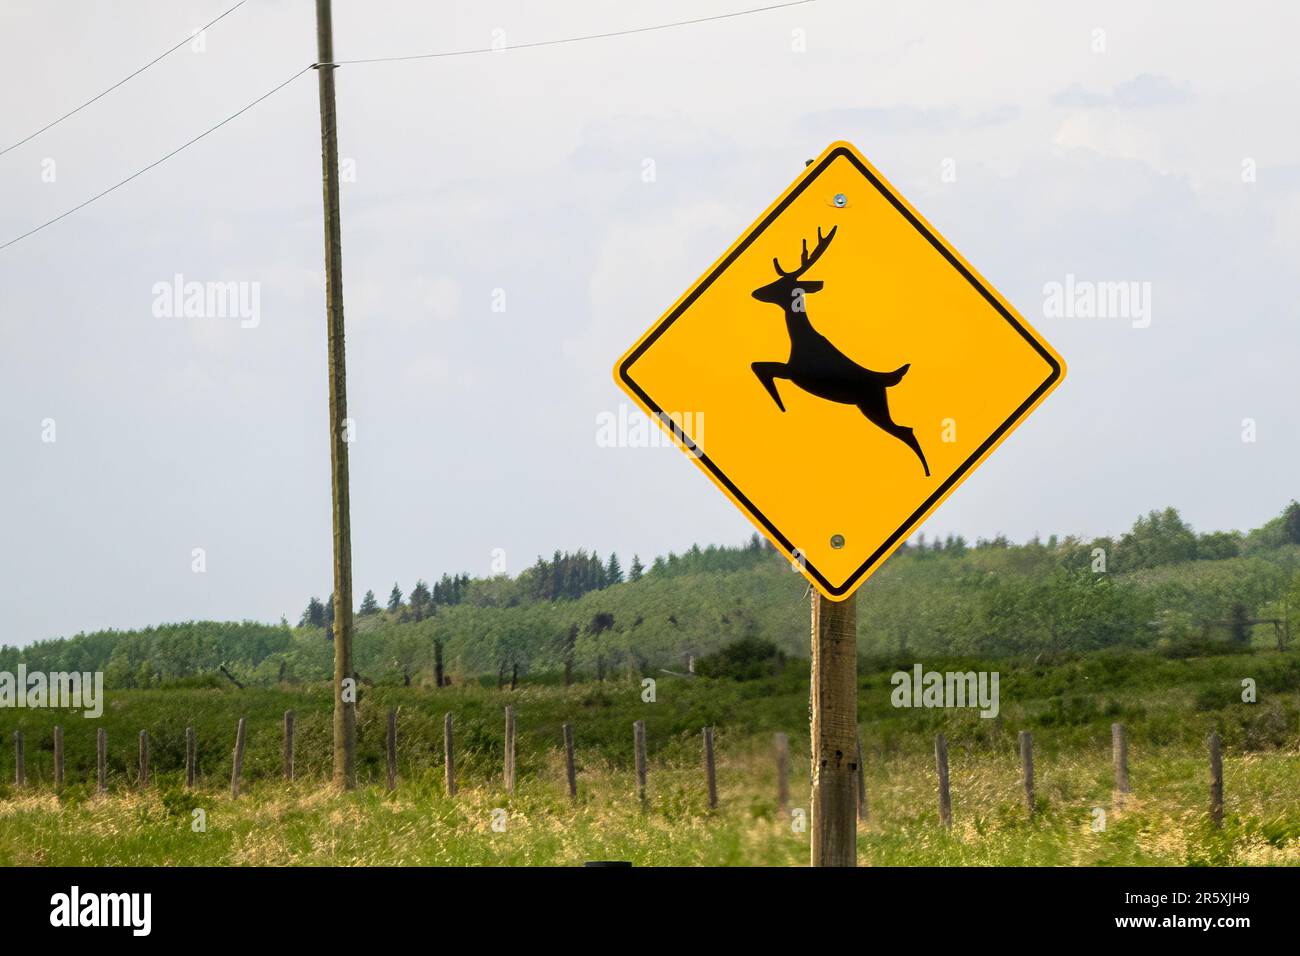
[[125, 79], [337, 63]]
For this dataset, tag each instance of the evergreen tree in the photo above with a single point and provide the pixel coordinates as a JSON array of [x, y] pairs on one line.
[[637, 569], [557, 576], [314, 616], [369, 605], [444, 590], [613, 571], [395, 598], [421, 600], [1291, 522]]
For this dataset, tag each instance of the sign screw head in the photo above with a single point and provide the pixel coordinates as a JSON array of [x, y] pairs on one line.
[[840, 200], [837, 541]]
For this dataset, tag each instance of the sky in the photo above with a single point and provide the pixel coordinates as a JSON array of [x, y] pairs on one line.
[[503, 244]]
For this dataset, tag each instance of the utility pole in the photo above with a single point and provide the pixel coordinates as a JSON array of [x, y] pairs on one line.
[[834, 731], [345, 715]]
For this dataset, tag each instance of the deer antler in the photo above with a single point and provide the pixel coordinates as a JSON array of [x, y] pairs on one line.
[[805, 260]]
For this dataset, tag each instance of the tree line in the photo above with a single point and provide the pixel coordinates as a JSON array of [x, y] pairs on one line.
[[566, 576], [1161, 586]]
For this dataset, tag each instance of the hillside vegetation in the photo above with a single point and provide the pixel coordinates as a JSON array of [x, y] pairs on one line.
[[1161, 587]]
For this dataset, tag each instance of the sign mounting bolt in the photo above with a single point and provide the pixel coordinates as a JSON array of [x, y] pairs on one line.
[[837, 541], [840, 200]]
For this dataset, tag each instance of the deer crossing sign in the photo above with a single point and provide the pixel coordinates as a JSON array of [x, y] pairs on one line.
[[853, 369]]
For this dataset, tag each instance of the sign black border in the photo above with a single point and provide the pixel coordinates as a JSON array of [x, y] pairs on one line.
[[912, 520]]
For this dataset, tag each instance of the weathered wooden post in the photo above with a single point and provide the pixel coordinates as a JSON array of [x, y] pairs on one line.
[[1216, 781], [191, 756], [862, 781], [638, 741], [101, 760], [945, 797], [1027, 768], [20, 760], [144, 759], [345, 707], [782, 771], [58, 757], [710, 768], [237, 769], [510, 750], [570, 770], [392, 748], [1119, 753], [448, 756], [289, 717], [834, 731]]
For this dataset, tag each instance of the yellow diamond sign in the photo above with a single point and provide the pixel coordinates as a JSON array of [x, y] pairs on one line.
[[840, 371]]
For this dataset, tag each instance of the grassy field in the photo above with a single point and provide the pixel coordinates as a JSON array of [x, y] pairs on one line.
[[1168, 706]]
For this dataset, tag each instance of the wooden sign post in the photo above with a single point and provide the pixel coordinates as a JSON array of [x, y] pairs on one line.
[[834, 731]]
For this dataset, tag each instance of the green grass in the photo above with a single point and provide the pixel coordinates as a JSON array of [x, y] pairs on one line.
[[1162, 822], [1168, 706]]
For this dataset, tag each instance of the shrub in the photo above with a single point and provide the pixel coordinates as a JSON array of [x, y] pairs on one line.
[[749, 658]]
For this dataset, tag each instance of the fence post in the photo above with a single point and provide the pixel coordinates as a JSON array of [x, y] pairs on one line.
[[638, 740], [1119, 753], [191, 756], [569, 769], [1027, 768], [510, 750], [782, 771], [392, 748], [1216, 781], [288, 744], [862, 781], [144, 759], [20, 760], [101, 759], [945, 796], [448, 756], [58, 757], [710, 768], [238, 768]]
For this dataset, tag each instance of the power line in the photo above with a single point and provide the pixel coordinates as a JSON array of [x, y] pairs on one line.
[[158, 162], [422, 56], [577, 39], [132, 76]]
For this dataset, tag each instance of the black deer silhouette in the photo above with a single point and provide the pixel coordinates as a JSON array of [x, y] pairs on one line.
[[817, 366]]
